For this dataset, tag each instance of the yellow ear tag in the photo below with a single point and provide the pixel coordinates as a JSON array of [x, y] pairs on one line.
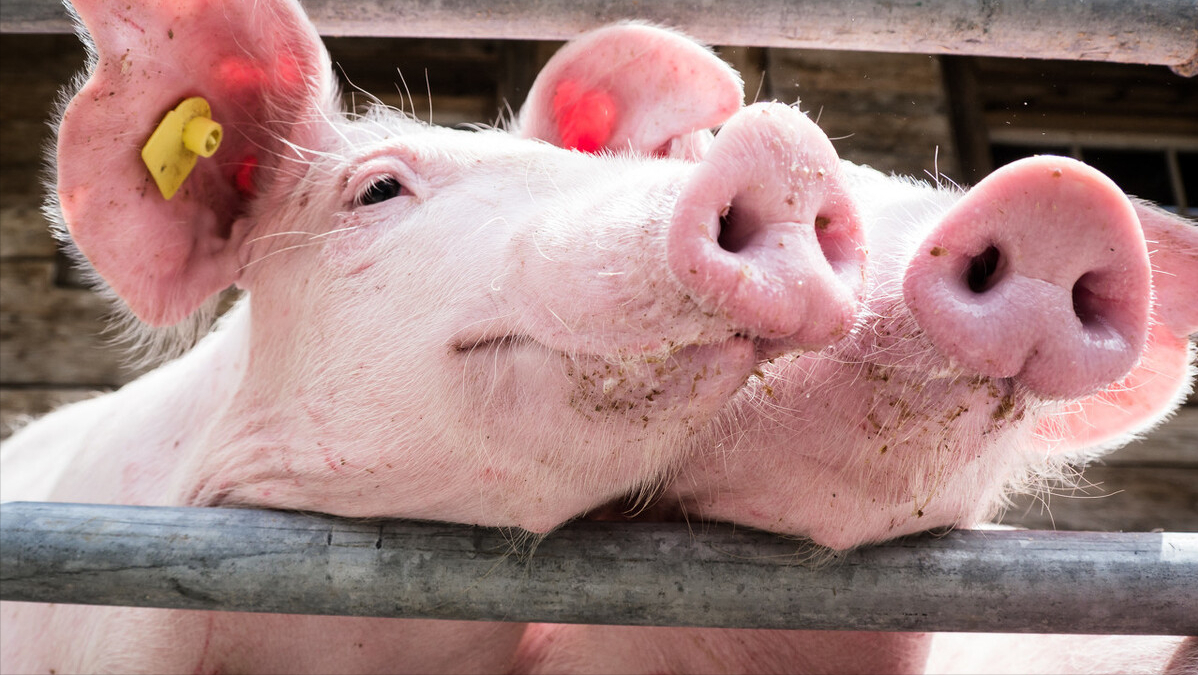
[[185, 133]]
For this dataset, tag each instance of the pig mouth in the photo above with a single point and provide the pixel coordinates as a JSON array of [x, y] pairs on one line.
[[764, 348], [483, 344], [734, 357]]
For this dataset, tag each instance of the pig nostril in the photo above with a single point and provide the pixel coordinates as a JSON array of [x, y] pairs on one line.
[[1086, 304], [734, 235], [740, 228], [983, 271], [836, 244]]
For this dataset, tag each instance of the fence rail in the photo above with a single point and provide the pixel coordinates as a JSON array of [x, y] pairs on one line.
[[599, 573], [1129, 31]]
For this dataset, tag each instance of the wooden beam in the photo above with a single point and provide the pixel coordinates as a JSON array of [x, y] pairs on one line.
[[1127, 31]]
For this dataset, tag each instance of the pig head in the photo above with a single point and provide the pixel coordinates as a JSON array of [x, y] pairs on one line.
[[478, 327], [513, 328]]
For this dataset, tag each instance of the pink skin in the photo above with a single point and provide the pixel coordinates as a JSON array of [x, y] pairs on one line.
[[1066, 311], [387, 344], [668, 113], [765, 214], [900, 428], [638, 649], [475, 327]]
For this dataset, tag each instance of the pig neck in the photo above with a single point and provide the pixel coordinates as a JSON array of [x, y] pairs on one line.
[[136, 445]]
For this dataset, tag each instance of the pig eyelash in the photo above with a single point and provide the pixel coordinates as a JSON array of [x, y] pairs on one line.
[[380, 190], [383, 175]]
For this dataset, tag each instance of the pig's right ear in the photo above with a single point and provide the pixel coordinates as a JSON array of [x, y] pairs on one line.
[[630, 87], [264, 73], [1159, 381]]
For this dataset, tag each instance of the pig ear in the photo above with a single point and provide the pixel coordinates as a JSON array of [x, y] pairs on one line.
[[1159, 381], [630, 87], [264, 73], [1173, 250]]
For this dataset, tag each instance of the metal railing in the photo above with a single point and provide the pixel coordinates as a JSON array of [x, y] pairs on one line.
[[597, 573]]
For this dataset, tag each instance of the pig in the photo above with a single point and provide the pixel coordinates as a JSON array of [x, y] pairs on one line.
[[1010, 330], [499, 328]]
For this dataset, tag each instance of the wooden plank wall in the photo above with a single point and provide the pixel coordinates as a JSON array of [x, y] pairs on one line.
[[889, 111]]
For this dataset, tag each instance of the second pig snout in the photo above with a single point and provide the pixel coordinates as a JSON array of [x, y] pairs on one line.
[[1039, 273], [766, 235]]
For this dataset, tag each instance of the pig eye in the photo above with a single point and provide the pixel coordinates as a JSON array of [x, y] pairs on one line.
[[387, 187]]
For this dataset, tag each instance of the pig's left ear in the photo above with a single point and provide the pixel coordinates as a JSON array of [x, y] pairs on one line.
[[1156, 385], [264, 77], [630, 87]]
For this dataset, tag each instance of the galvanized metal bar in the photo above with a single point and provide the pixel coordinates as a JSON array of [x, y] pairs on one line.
[[599, 573], [1129, 31]]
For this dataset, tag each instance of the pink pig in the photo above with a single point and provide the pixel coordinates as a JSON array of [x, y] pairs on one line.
[[474, 327]]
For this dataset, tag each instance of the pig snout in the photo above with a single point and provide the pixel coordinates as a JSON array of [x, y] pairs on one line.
[[1039, 273], [765, 234]]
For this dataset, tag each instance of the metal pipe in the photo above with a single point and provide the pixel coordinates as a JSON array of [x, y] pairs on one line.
[[1128, 31], [596, 573]]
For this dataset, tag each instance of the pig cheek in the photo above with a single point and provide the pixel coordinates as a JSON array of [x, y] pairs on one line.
[[657, 395], [352, 246], [349, 366]]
